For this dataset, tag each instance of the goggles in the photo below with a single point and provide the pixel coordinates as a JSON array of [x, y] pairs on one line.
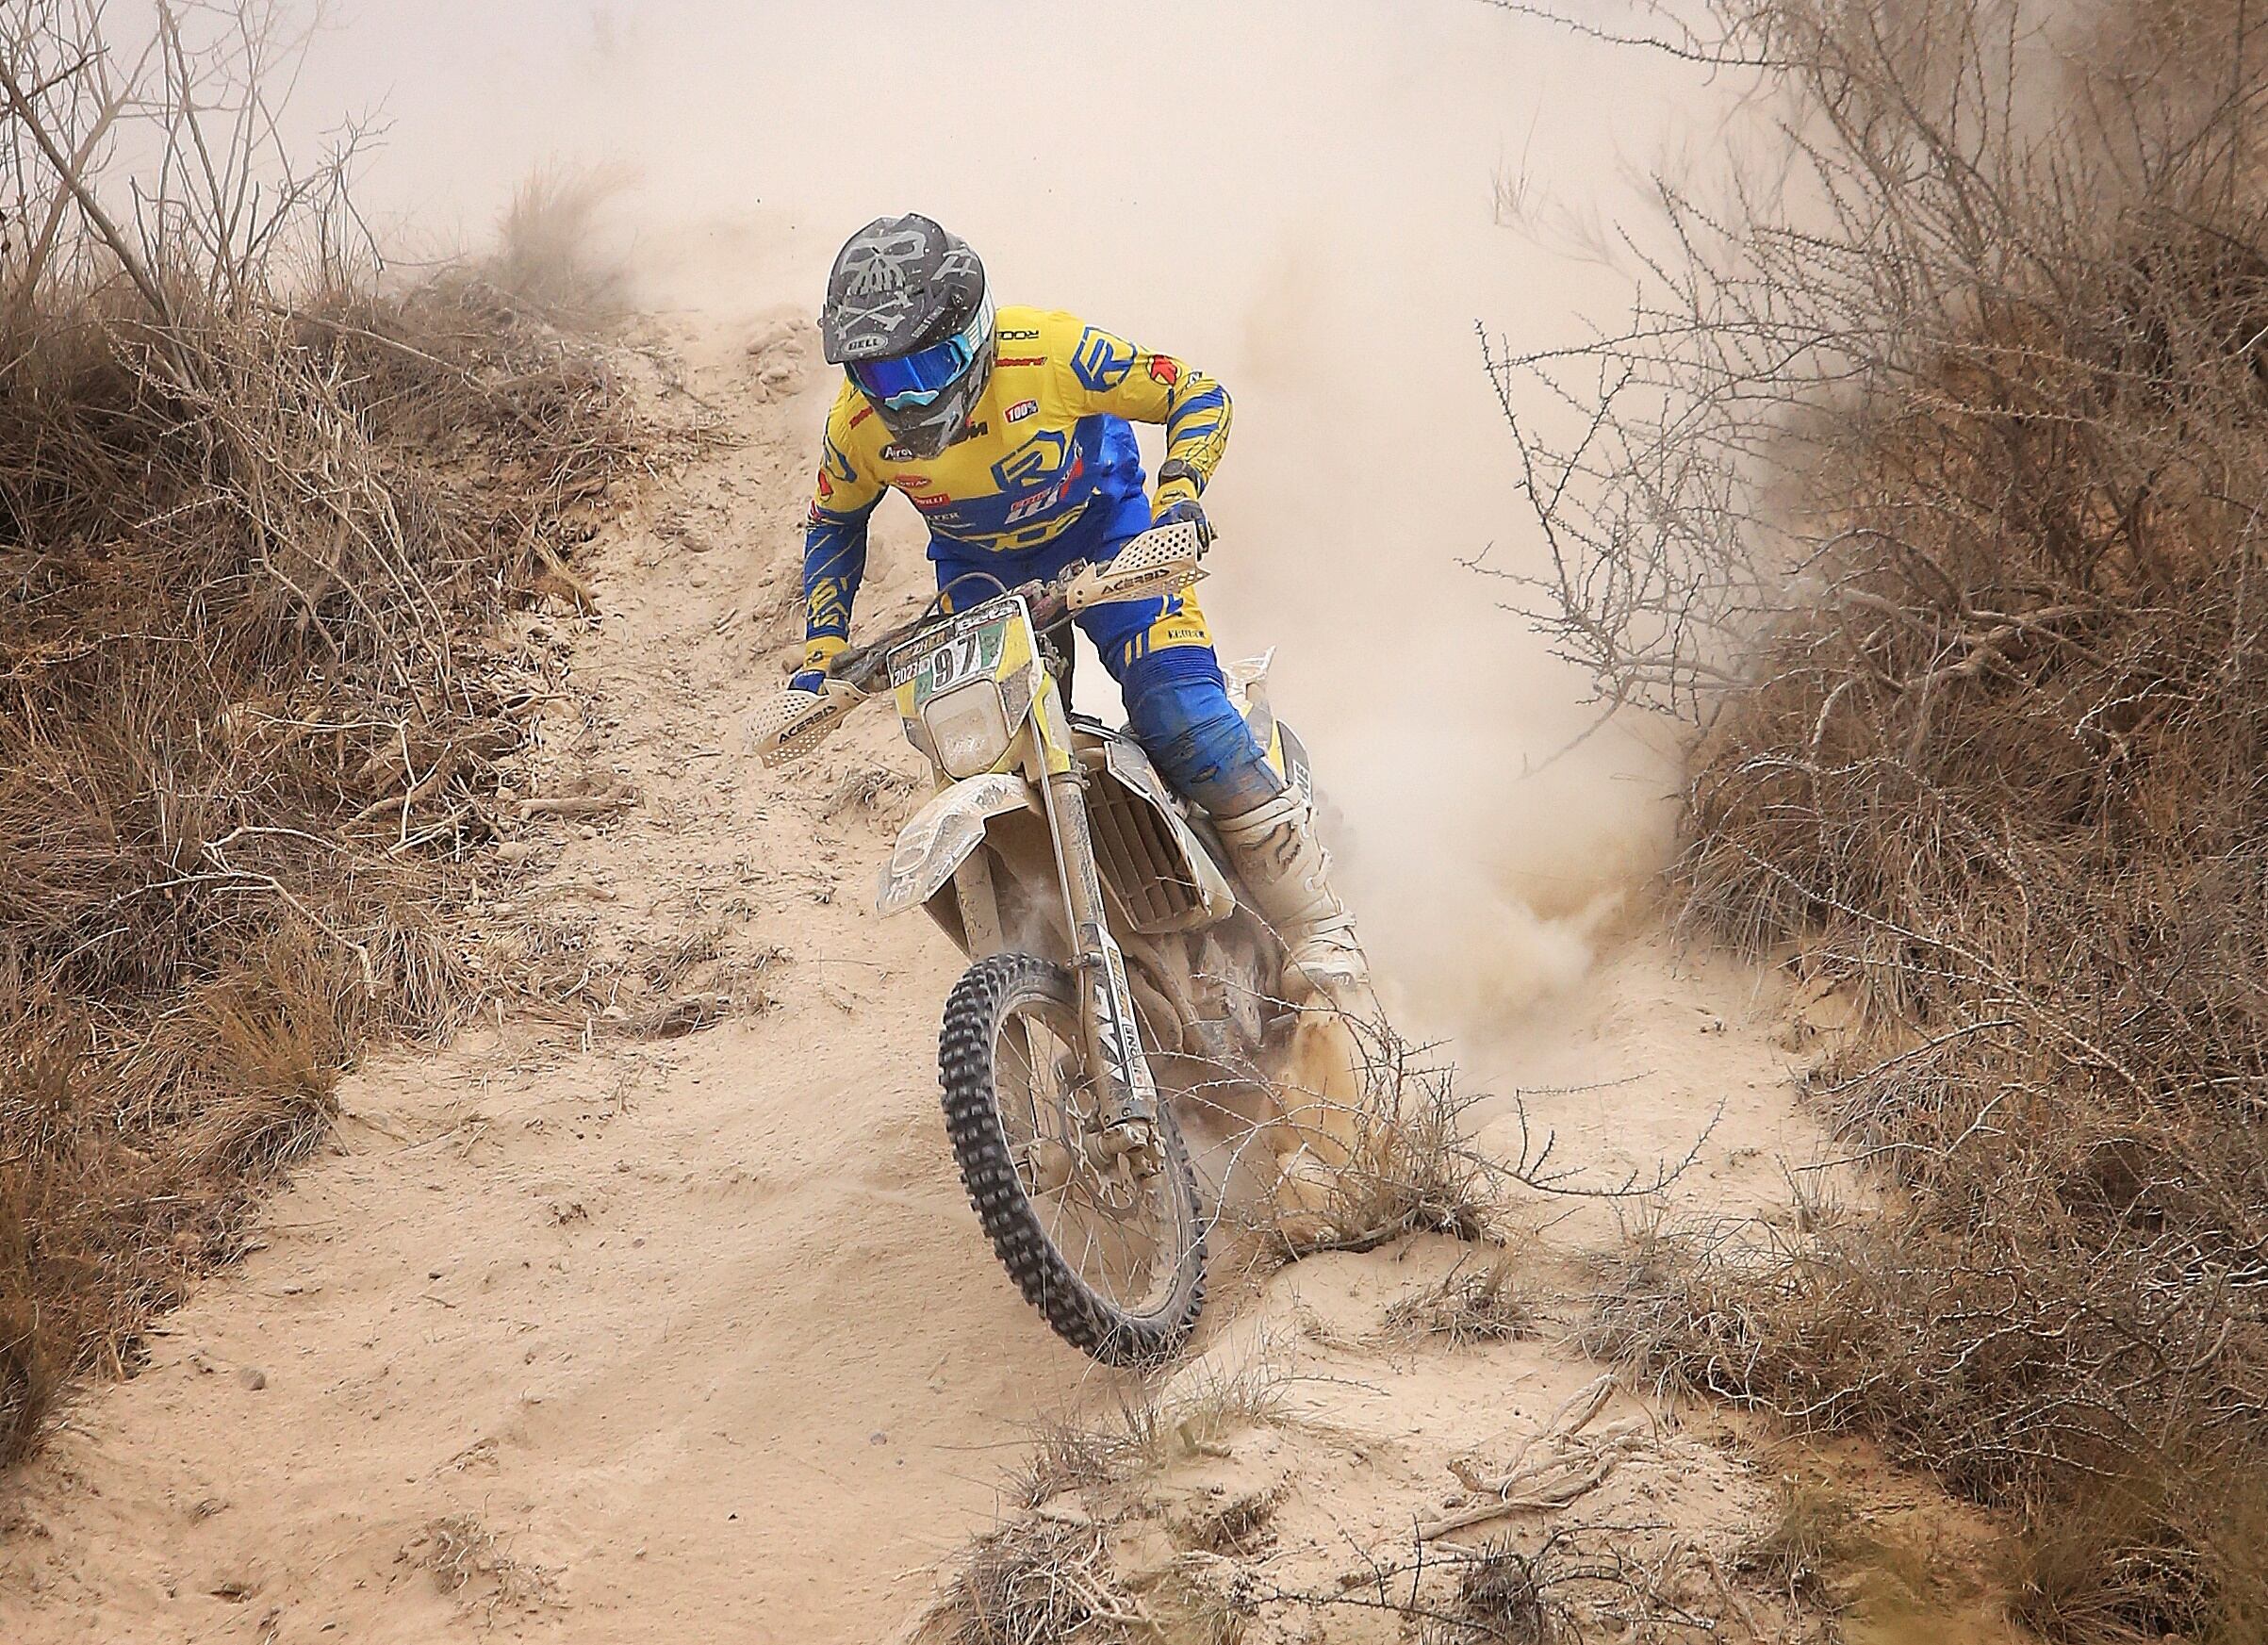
[[920, 377]]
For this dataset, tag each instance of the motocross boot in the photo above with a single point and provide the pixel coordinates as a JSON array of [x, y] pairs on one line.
[[1282, 863]]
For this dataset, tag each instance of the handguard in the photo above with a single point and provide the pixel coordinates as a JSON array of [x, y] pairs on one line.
[[1161, 561], [795, 722]]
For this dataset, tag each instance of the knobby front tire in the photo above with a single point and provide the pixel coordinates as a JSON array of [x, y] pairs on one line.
[[993, 997]]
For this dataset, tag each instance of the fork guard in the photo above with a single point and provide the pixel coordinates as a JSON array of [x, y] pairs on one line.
[[941, 836]]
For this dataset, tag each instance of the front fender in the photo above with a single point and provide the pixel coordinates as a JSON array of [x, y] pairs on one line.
[[942, 834]]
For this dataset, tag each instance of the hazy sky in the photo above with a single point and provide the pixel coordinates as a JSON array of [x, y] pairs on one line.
[[1075, 134]]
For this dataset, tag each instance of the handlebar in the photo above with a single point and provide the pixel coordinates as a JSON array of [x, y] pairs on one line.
[[857, 666], [1161, 561]]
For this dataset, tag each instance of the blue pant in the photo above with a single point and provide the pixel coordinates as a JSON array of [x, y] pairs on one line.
[[1160, 652]]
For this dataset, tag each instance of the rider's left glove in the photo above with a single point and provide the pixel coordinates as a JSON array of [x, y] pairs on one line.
[[1189, 509]]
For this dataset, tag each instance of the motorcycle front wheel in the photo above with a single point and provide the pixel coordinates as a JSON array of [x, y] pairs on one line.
[[1112, 1253]]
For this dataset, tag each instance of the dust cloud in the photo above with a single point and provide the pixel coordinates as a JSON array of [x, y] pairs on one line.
[[1301, 197]]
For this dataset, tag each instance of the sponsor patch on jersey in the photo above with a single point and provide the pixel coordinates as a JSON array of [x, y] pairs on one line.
[[1018, 337], [897, 453], [1022, 409], [939, 500], [1163, 370], [1024, 360], [860, 415], [1039, 503], [908, 481], [1102, 359]]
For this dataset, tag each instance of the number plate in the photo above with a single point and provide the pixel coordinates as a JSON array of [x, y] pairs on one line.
[[970, 653]]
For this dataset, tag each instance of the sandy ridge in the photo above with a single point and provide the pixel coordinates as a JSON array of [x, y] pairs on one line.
[[587, 1336]]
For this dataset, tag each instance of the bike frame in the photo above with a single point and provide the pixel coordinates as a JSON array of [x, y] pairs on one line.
[[999, 639]]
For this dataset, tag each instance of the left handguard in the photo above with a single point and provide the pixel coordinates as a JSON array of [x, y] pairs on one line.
[[1161, 561]]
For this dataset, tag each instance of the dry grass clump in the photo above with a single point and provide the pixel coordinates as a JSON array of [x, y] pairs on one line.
[[1036, 1581], [255, 521], [1812, 1536], [1412, 1170], [1501, 1600], [1192, 1411], [467, 1562], [1240, 1525], [554, 249], [1572, 1583], [1485, 1304], [1385, 1152], [1054, 1579], [1126, 1532], [1935, 492]]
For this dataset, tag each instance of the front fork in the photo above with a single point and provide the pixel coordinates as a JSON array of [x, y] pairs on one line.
[[1106, 1002]]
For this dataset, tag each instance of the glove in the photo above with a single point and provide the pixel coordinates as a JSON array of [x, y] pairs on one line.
[[1187, 509], [818, 651]]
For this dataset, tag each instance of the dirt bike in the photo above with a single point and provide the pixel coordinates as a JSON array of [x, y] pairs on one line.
[[1110, 953]]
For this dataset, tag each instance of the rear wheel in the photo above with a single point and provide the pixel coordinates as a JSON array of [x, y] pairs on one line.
[[1112, 1253]]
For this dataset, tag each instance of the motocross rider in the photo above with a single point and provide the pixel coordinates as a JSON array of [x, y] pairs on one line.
[[1007, 427]]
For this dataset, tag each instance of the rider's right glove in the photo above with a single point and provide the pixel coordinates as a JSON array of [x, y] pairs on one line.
[[818, 651]]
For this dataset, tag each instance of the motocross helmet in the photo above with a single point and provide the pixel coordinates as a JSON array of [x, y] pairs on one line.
[[910, 321]]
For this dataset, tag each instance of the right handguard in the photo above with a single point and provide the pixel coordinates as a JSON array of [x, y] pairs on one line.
[[795, 722]]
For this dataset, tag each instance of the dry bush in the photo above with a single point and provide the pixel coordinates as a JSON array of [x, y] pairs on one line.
[[254, 519], [553, 249], [1930, 484], [1568, 1584], [1396, 1158]]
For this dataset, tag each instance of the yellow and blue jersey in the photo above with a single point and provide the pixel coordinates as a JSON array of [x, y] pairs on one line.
[[1050, 461]]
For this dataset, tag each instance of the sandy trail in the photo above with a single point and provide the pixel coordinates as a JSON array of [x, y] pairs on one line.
[[592, 1338]]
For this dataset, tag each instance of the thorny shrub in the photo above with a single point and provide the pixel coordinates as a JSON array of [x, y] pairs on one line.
[[1931, 486]]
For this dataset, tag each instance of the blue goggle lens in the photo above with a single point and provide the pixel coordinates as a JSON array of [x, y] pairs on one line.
[[918, 378]]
